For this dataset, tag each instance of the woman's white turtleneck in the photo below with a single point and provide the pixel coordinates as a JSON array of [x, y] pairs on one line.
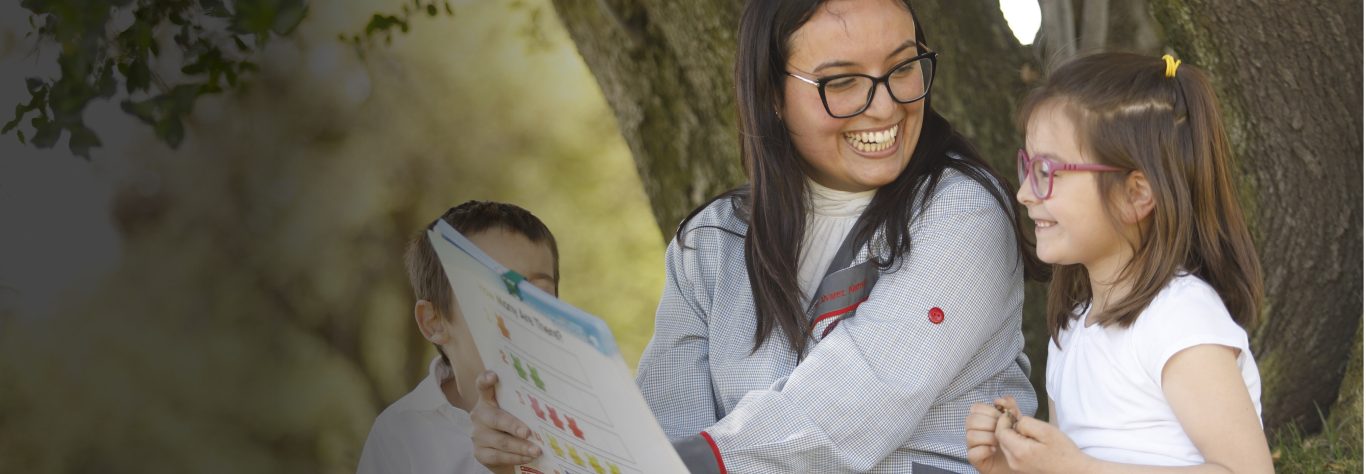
[[830, 216]]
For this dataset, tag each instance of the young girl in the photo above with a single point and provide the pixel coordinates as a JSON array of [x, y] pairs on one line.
[[1126, 173]]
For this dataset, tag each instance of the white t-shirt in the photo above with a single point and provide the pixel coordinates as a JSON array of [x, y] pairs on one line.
[[1107, 382], [832, 214], [421, 433]]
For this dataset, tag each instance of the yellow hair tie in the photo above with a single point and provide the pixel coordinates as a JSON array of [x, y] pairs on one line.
[[1171, 64]]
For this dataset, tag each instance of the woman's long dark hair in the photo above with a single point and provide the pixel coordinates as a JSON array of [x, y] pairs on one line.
[[774, 200]]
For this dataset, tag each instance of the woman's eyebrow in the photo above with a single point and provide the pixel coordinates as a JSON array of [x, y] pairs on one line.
[[841, 63], [836, 63], [909, 43]]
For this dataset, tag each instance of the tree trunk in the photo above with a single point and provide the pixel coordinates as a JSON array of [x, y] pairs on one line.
[[1057, 37], [666, 69], [1346, 416], [1133, 28], [1128, 25], [1095, 15], [1288, 76]]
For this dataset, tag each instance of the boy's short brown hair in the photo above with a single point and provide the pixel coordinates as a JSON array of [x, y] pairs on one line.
[[427, 276]]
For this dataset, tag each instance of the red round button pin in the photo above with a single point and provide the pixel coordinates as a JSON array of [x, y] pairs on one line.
[[936, 315]]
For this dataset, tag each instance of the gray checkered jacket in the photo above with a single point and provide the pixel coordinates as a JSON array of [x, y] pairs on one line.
[[885, 389]]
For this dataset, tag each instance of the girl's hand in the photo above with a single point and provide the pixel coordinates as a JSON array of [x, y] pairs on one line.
[[1034, 446], [983, 450], [500, 439]]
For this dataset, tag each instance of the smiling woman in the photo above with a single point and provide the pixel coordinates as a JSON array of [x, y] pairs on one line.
[[847, 128], [871, 244]]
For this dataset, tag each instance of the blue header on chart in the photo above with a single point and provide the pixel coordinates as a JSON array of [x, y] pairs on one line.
[[580, 323]]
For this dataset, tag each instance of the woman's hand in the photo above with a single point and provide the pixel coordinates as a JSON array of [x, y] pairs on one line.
[[983, 450], [1033, 446], [495, 445]]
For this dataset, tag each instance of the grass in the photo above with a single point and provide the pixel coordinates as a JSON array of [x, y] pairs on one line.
[[1336, 450]]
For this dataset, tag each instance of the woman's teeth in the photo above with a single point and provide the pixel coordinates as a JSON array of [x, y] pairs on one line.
[[872, 141], [1044, 224]]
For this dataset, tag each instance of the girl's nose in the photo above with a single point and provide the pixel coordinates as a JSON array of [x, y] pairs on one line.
[[1026, 194]]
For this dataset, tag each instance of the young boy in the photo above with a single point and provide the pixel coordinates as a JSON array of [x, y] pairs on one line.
[[429, 429]]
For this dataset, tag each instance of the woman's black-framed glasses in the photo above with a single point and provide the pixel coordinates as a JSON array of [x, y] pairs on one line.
[[847, 95]]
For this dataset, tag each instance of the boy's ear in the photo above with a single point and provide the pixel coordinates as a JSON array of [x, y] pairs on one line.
[[1139, 194], [430, 323]]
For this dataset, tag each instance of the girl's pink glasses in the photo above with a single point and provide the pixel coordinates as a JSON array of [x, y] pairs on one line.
[[1034, 169]]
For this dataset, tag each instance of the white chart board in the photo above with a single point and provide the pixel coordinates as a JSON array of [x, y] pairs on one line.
[[558, 368]]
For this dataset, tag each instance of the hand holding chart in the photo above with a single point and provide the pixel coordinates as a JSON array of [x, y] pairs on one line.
[[559, 369]]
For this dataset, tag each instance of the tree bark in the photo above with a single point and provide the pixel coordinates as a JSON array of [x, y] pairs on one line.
[[1133, 28], [1057, 37], [1288, 75], [664, 67], [1095, 22], [1346, 416]]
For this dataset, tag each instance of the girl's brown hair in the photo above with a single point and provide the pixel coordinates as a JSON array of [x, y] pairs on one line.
[[1130, 115]]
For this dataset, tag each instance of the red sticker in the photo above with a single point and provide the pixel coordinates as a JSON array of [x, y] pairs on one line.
[[936, 315]]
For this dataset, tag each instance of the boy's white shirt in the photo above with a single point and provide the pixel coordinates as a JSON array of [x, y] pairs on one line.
[[1106, 383], [421, 433]]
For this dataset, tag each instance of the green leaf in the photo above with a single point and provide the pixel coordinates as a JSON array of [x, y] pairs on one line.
[[449, 11], [289, 17], [20, 110], [241, 46], [384, 23], [253, 16], [192, 69], [199, 48], [214, 8], [106, 84], [21, 137], [431, 10], [144, 111], [170, 130], [182, 98], [82, 139], [139, 76], [46, 133]]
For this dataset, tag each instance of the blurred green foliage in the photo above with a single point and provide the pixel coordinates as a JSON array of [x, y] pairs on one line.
[[386, 24], [208, 33], [260, 317]]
